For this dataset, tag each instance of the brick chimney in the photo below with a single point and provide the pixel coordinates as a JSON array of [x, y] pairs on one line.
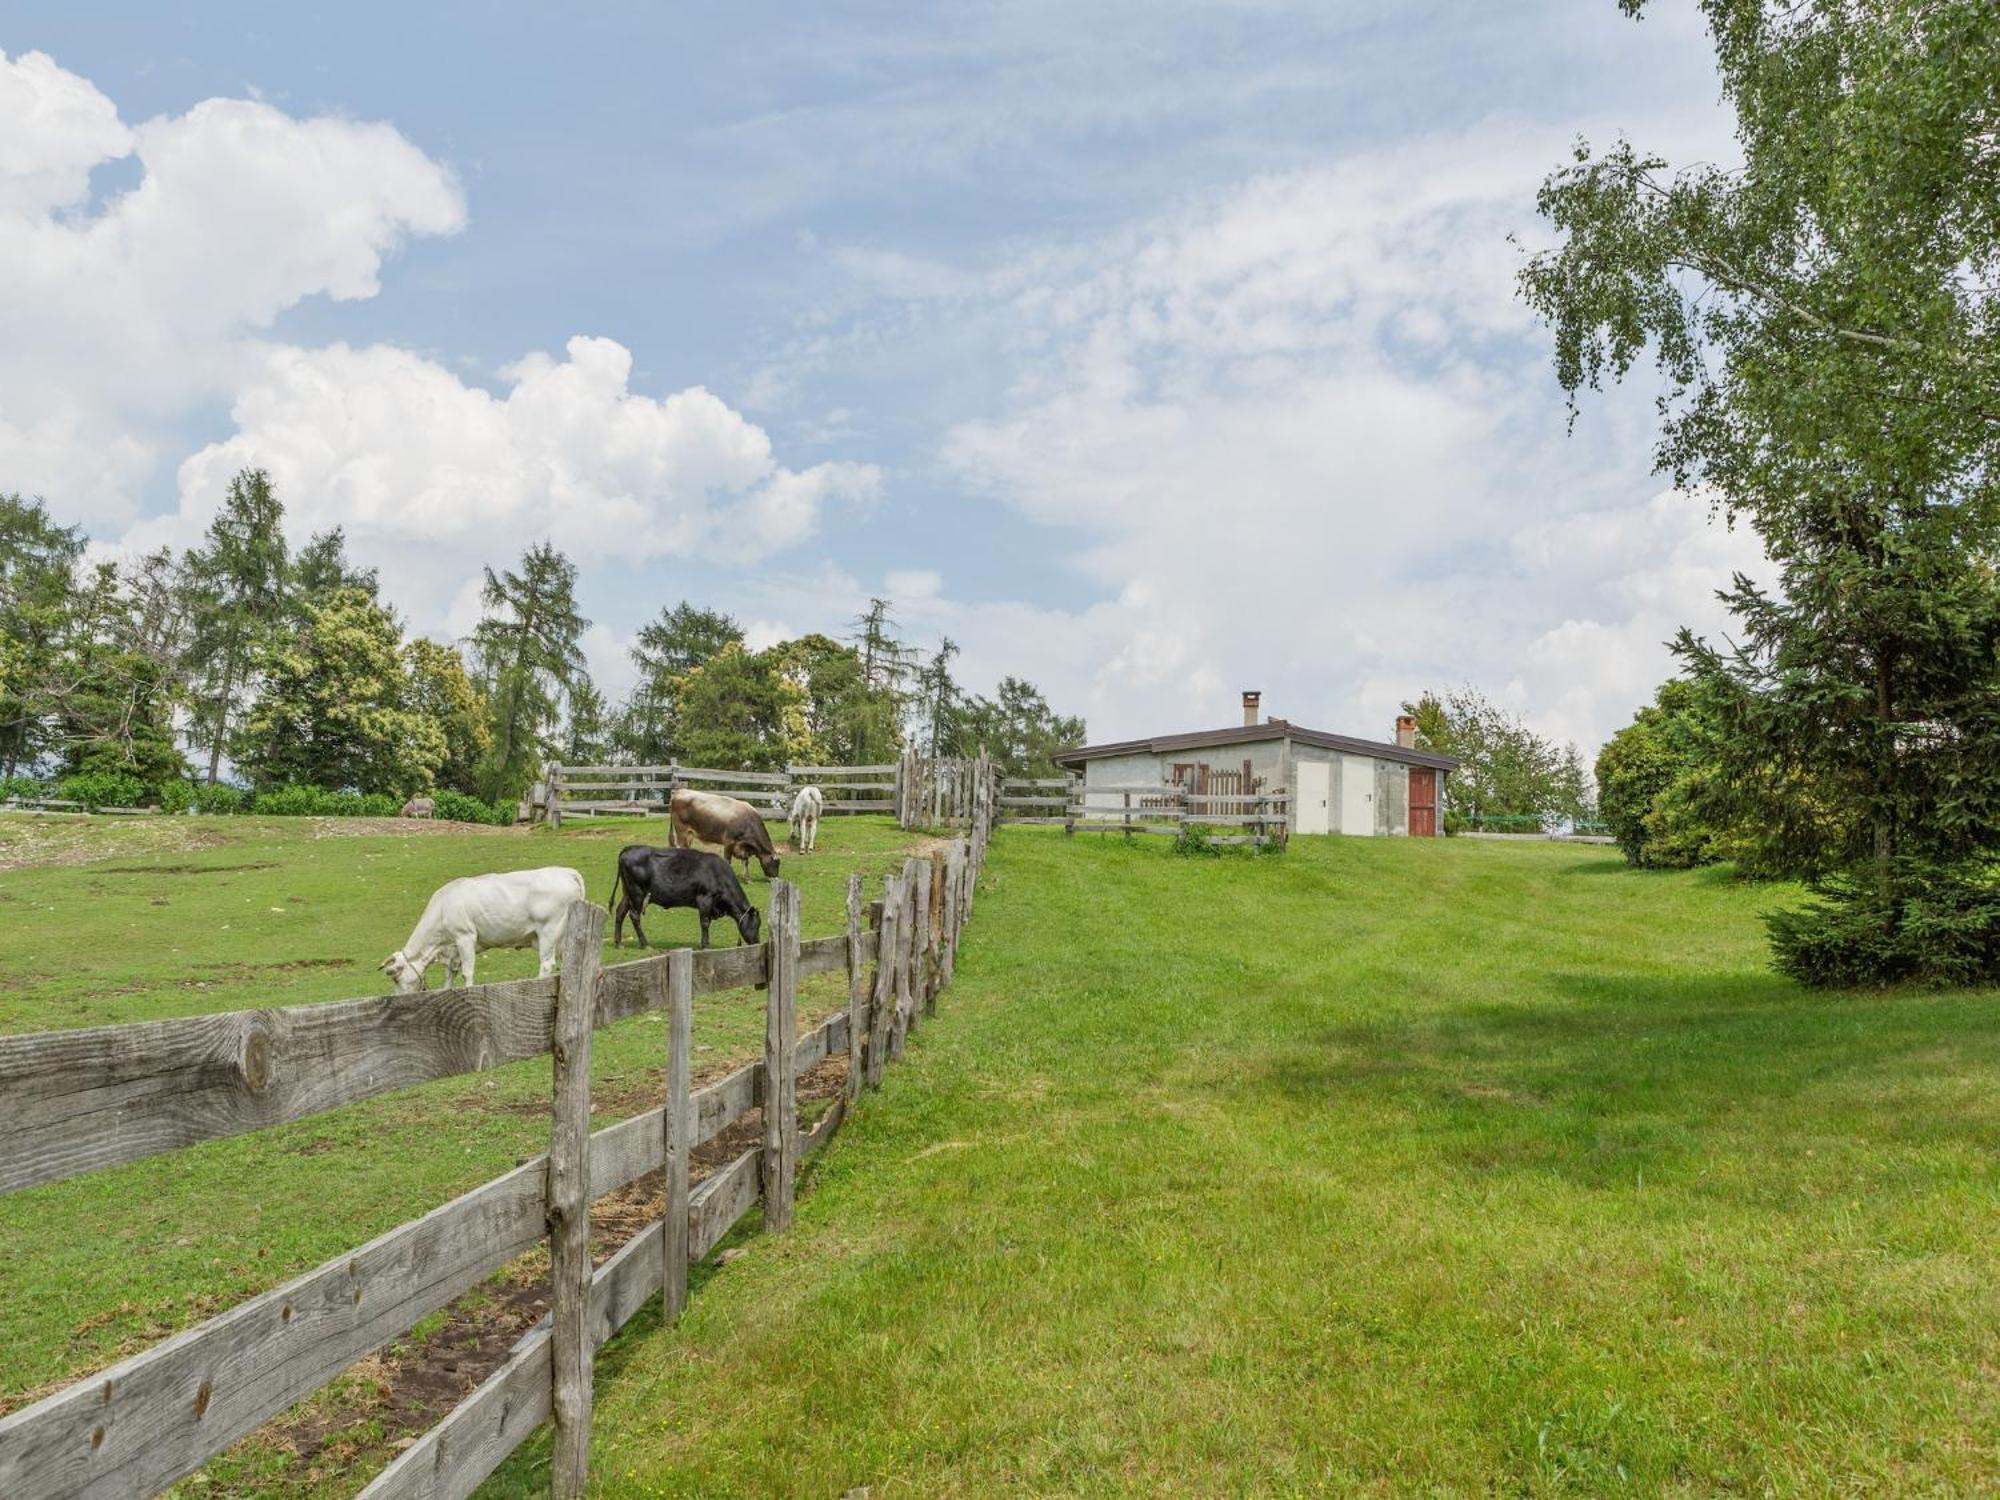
[[1251, 698], [1406, 731]]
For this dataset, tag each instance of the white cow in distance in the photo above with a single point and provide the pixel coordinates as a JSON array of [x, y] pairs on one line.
[[806, 808], [517, 909]]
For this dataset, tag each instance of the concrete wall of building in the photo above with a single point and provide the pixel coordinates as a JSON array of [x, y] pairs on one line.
[[1269, 760], [1392, 798], [1139, 769]]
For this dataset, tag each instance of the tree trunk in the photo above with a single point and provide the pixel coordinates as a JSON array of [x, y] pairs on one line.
[[221, 718], [1885, 776]]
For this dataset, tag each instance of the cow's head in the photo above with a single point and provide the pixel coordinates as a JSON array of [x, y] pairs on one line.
[[405, 971], [749, 924], [768, 862]]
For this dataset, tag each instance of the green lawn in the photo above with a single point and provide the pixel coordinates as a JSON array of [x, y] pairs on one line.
[[1383, 1167], [177, 916]]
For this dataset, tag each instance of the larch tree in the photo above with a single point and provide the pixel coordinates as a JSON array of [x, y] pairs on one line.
[[529, 652], [236, 584]]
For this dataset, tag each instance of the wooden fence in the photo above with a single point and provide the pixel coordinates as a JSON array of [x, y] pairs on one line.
[[1146, 807], [594, 790], [942, 791], [74, 1101]]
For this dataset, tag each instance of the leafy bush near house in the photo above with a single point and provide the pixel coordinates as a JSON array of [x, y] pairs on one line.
[[95, 789], [21, 786]]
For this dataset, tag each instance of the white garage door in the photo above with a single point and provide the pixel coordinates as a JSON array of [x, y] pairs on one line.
[[1357, 794], [1315, 789]]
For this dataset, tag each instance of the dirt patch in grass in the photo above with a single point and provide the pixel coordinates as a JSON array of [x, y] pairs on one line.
[[397, 1395], [29, 842], [369, 828], [255, 864]]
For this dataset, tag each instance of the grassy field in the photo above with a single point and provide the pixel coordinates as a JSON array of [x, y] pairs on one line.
[[1381, 1167], [130, 920]]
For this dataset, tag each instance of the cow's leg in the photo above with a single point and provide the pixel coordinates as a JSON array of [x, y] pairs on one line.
[[468, 953], [701, 909], [638, 931]]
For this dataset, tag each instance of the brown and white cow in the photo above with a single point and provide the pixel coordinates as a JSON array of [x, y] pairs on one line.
[[733, 825]]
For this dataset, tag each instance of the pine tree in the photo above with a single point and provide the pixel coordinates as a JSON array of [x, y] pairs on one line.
[[529, 655], [682, 637], [322, 566], [237, 601]]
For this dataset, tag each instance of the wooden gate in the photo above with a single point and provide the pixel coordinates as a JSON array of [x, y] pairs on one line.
[[1423, 802], [1203, 781]]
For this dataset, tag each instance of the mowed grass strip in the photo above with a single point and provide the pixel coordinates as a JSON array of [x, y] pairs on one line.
[[1378, 1167], [110, 921]]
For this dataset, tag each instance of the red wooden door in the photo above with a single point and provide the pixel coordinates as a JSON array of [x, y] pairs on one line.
[[1423, 802]]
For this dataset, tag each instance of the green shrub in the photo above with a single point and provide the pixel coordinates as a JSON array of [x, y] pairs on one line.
[[1194, 843], [21, 786], [220, 798], [459, 808], [97, 789], [1941, 928], [316, 802]]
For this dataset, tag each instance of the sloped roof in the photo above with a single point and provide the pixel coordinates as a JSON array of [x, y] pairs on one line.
[[1251, 734]]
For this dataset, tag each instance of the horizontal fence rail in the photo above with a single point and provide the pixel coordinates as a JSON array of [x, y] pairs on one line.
[[589, 791], [76, 1101], [1170, 808]]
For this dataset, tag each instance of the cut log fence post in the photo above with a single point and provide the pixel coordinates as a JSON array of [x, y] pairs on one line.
[[569, 1201], [781, 1108], [555, 794], [857, 997], [906, 935], [679, 1129], [888, 941], [934, 931], [920, 938]]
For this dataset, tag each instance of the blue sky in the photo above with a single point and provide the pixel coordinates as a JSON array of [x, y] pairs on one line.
[[1151, 350]]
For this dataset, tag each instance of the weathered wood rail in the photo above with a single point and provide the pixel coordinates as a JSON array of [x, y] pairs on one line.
[[72, 1102], [639, 790], [1167, 808]]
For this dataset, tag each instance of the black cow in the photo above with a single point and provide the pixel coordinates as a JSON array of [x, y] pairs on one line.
[[678, 877]]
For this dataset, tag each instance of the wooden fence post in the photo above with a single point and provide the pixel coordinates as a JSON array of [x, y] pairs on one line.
[[857, 999], [887, 942], [920, 937], [569, 1201], [935, 931], [679, 1131], [554, 819], [781, 1104], [906, 933]]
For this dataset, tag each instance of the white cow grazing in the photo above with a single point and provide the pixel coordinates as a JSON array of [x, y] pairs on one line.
[[806, 808], [518, 909]]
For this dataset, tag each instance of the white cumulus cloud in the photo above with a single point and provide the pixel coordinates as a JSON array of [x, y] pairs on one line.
[[124, 316]]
